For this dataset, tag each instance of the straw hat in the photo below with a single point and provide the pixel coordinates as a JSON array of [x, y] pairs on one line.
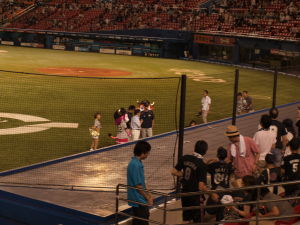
[[232, 131]]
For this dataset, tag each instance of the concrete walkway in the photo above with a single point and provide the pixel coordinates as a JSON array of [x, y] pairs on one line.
[[107, 169]]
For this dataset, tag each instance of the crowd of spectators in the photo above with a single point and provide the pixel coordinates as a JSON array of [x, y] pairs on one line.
[[271, 156], [275, 18], [271, 18], [9, 8], [245, 162]]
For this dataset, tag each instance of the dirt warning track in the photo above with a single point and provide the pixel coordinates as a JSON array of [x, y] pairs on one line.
[[83, 72]]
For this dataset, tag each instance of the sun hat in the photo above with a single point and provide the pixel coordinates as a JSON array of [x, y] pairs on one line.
[[232, 131]]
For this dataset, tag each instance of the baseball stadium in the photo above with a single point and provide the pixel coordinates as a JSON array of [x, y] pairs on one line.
[[149, 112]]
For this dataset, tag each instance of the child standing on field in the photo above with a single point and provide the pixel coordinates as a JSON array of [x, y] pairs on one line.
[[95, 131]]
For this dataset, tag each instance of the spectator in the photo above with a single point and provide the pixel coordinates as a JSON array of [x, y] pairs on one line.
[[192, 123], [290, 167], [281, 135], [147, 120], [291, 133], [205, 102], [95, 131], [264, 139], [121, 120], [298, 120], [136, 178], [271, 174], [273, 209], [220, 172], [244, 211], [242, 152], [249, 102], [240, 104], [130, 114], [193, 171], [136, 125]]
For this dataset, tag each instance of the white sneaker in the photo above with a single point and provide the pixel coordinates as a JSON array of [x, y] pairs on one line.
[[91, 149]]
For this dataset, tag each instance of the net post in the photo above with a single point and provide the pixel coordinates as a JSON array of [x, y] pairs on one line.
[[117, 205], [275, 87], [181, 121], [235, 92]]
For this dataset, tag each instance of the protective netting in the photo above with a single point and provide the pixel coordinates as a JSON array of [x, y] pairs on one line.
[[48, 117], [220, 91]]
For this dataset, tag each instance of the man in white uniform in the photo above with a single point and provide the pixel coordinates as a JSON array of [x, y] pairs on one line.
[[206, 102]]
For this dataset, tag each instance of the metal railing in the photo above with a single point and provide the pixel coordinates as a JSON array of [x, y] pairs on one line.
[[167, 197]]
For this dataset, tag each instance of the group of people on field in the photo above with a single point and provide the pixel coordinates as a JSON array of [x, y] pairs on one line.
[[132, 124], [271, 156]]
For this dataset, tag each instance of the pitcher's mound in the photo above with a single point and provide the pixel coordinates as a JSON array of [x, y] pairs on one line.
[[83, 72]]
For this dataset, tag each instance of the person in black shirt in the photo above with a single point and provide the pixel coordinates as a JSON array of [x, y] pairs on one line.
[[147, 120], [298, 120], [291, 167], [220, 171], [130, 114], [271, 174], [193, 172], [281, 136]]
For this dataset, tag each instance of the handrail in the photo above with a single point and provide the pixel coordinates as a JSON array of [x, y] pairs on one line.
[[165, 196]]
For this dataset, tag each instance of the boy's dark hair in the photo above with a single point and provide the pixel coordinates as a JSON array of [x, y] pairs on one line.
[[136, 111], [294, 144], [96, 114], [273, 113], [206, 91], [249, 180], [131, 107], [191, 122], [222, 153], [270, 158], [141, 147], [289, 125], [265, 121], [239, 94], [201, 147]]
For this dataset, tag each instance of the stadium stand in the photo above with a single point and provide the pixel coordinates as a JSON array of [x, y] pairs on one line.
[[11, 8], [279, 19]]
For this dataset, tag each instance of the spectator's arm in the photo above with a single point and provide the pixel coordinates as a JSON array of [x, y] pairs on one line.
[[202, 187], [244, 213], [176, 173], [284, 142], [146, 195], [273, 212]]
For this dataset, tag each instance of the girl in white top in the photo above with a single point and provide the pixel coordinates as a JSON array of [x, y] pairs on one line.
[[95, 131]]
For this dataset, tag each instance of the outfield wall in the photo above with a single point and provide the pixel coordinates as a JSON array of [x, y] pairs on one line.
[[251, 50]]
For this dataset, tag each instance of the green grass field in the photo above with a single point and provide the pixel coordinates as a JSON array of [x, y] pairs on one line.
[[74, 100]]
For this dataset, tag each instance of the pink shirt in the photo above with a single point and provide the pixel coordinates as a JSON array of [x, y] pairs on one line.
[[244, 165]]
